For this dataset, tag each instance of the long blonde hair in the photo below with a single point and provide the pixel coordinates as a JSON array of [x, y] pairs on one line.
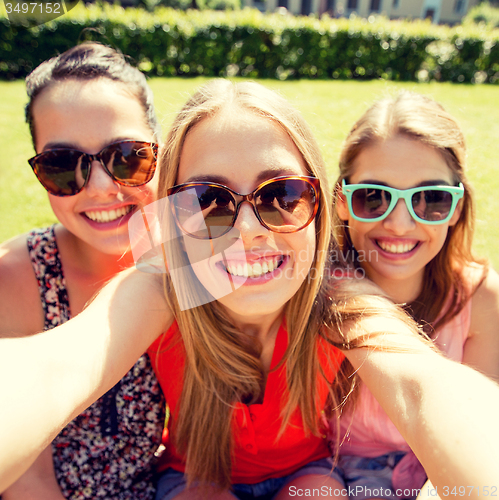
[[223, 364], [421, 119]]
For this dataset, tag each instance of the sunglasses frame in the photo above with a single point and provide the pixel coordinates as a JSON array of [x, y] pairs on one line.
[[96, 157], [457, 193], [250, 198]]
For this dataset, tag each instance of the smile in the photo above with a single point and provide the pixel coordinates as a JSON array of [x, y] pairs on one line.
[[396, 248], [255, 270], [108, 215]]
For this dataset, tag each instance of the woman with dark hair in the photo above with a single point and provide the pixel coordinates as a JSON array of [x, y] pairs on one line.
[[95, 134]]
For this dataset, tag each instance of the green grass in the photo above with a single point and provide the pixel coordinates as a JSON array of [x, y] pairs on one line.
[[331, 107]]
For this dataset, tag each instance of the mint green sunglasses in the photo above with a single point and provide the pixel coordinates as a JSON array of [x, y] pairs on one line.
[[426, 204]]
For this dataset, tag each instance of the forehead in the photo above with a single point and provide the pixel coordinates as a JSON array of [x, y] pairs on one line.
[[400, 162], [87, 114], [238, 148]]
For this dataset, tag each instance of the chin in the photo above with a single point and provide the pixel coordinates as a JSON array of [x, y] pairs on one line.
[[114, 248], [251, 310]]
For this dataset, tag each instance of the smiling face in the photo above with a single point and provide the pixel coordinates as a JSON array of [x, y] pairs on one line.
[[88, 116], [240, 149], [395, 250]]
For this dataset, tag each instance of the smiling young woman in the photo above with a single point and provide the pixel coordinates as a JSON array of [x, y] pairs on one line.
[[94, 131], [404, 211], [399, 244]]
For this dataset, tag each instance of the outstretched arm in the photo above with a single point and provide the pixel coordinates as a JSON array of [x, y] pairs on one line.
[[51, 377], [447, 412]]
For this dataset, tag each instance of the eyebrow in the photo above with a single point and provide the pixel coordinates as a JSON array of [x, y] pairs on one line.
[[59, 145], [69, 145], [436, 182], [262, 176]]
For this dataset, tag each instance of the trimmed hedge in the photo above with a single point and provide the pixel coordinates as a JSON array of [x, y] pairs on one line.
[[254, 45]]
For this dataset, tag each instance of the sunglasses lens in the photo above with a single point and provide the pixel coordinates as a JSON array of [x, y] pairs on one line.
[[61, 172], [204, 211], [369, 203], [432, 205], [131, 163], [286, 205]]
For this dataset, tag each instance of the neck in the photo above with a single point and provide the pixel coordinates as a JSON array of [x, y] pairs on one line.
[[263, 328], [87, 261]]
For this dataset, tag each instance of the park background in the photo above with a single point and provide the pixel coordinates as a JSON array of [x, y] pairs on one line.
[[331, 101]]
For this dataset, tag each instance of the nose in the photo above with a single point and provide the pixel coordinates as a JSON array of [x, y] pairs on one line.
[[248, 224], [100, 183], [399, 221]]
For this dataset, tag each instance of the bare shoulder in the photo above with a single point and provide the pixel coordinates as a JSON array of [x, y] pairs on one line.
[[481, 350], [489, 287], [485, 302], [20, 306]]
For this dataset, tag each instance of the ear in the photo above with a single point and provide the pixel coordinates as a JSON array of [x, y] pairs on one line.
[[457, 213], [341, 205]]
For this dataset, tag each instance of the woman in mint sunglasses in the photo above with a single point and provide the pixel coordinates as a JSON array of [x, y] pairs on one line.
[[94, 130], [404, 217]]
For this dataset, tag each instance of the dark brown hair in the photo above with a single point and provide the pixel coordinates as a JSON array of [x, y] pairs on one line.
[[89, 61]]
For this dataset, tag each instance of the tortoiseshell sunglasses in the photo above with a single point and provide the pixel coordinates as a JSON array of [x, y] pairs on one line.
[[207, 210]]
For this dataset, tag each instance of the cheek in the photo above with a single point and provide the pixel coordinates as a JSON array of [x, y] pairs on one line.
[[358, 231], [206, 259], [341, 207], [305, 246], [153, 184], [439, 236], [62, 206], [148, 193]]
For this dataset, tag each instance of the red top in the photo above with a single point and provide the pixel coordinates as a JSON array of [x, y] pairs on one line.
[[258, 456]]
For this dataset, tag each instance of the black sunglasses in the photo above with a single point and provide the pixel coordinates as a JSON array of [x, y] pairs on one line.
[[65, 172], [206, 210]]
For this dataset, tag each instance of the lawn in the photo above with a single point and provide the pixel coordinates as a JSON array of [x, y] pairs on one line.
[[331, 107]]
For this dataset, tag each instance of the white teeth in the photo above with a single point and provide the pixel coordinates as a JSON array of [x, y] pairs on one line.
[[247, 270], [396, 248], [108, 215], [253, 271]]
